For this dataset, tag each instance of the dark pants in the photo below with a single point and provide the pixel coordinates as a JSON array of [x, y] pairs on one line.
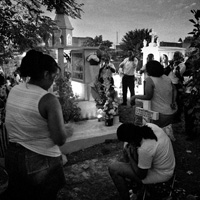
[[32, 176], [128, 82], [179, 101]]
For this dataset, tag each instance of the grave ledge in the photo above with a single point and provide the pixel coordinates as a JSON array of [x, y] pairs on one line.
[[88, 133]]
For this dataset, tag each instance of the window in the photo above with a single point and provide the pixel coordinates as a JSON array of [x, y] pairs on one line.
[[78, 66]]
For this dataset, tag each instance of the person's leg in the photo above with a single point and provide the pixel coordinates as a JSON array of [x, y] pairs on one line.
[[14, 165], [33, 176], [54, 181], [131, 85], [119, 172], [45, 175], [124, 89]]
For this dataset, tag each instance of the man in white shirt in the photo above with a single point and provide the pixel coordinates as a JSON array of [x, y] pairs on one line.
[[128, 67], [150, 154]]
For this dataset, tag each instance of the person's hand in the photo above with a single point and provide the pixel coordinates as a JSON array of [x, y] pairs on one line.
[[133, 153], [120, 71], [126, 147], [173, 106], [129, 149]]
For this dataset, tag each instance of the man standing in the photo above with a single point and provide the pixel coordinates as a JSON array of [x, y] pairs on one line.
[[127, 68]]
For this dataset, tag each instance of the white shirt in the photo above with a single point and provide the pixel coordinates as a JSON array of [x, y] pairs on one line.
[[157, 156], [24, 123], [129, 67]]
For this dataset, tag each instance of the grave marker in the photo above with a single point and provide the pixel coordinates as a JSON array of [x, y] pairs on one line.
[[143, 112]]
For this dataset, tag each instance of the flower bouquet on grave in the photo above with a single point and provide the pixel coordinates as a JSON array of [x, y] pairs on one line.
[[110, 110]]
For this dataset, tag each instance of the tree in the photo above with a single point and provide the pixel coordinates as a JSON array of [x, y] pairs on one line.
[[134, 40], [188, 39], [23, 24], [98, 42], [192, 99]]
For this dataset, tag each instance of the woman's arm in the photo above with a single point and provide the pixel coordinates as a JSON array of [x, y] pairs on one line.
[[182, 68], [135, 61], [50, 109], [141, 173], [149, 91]]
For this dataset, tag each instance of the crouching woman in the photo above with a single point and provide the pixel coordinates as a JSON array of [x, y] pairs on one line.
[[151, 157]]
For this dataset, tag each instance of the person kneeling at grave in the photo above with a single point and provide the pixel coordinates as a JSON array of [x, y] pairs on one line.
[[161, 92], [151, 157]]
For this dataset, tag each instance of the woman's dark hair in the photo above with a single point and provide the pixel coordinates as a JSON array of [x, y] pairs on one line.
[[128, 132], [178, 56], [35, 63], [154, 68], [150, 57]]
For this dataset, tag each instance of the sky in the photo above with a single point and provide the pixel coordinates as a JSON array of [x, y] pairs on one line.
[[112, 19]]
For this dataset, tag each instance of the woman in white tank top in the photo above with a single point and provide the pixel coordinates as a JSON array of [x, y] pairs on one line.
[[36, 129], [160, 90]]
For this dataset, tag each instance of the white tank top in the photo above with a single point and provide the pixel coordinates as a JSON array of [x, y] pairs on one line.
[[162, 97], [24, 123]]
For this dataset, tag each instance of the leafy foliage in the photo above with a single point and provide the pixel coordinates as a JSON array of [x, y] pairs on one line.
[[23, 24], [98, 42], [134, 40], [71, 111], [69, 7], [192, 99]]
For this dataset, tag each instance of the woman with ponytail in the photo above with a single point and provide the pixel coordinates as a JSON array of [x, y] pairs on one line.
[[36, 130], [150, 157]]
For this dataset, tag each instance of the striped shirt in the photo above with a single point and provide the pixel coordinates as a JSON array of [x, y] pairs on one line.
[[24, 123]]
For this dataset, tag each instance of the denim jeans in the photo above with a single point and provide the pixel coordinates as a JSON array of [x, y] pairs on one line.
[[31, 175]]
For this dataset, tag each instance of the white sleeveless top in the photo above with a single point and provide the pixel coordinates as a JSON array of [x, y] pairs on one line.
[[24, 123], [162, 97]]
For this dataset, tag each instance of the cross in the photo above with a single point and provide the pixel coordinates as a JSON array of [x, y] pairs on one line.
[[143, 112], [153, 34]]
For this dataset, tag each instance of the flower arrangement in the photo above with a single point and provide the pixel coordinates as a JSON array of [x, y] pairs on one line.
[[110, 108]]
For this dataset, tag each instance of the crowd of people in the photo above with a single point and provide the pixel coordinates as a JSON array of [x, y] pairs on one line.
[[32, 118]]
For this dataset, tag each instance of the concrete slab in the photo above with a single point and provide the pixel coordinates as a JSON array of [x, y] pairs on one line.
[[88, 133], [88, 109]]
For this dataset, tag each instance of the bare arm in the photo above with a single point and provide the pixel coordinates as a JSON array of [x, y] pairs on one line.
[[182, 68], [135, 61], [141, 173], [149, 91], [50, 109]]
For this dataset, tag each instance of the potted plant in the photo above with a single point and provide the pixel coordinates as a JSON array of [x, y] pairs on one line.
[[191, 94]]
